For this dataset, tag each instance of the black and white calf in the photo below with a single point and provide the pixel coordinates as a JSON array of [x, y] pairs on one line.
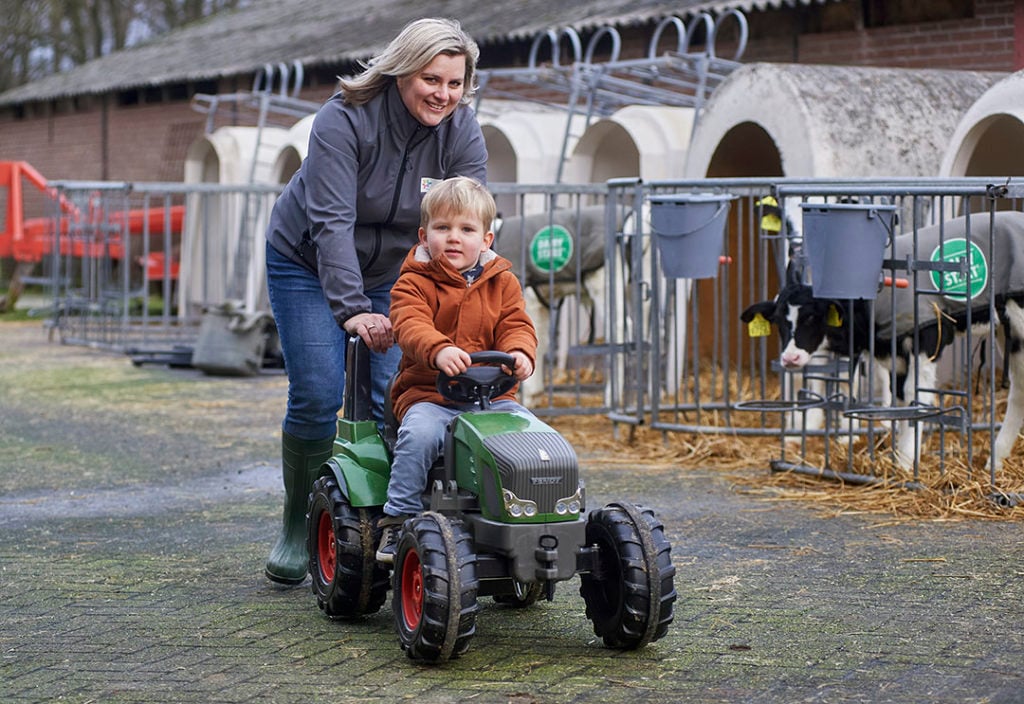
[[943, 304]]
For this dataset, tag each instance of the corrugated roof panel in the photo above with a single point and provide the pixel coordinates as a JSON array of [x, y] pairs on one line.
[[320, 32]]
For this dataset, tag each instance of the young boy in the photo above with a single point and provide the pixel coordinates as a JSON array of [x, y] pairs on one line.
[[453, 296]]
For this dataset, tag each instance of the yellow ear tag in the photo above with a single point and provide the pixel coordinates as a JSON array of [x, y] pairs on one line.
[[832, 319], [759, 327], [771, 223]]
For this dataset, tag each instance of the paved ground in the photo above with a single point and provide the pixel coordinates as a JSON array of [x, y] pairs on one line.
[[137, 505]]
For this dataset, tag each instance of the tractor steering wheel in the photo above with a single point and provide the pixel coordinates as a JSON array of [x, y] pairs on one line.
[[479, 384]]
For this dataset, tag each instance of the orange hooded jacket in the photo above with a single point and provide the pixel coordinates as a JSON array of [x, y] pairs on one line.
[[433, 307]]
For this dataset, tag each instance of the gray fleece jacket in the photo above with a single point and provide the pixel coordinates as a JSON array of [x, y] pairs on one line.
[[997, 268], [351, 212]]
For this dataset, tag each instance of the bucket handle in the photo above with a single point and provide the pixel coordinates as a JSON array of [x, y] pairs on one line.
[[721, 207], [890, 229]]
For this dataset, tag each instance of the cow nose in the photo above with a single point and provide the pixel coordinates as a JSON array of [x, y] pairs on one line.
[[790, 359]]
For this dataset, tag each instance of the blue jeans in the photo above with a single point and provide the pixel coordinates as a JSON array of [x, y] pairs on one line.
[[420, 442], [313, 346]]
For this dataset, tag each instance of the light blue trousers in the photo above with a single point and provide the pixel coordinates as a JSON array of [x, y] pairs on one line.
[[420, 442]]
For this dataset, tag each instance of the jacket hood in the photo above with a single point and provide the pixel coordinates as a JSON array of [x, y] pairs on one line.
[[419, 260]]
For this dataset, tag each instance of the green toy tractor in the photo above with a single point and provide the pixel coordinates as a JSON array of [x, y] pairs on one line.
[[504, 517]]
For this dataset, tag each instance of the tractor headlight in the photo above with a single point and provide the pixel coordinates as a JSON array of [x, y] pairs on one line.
[[570, 504], [516, 507]]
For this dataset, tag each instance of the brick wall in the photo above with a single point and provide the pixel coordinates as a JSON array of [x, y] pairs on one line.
[[144, 143], [984, 43], [58, 146], [148, 142]]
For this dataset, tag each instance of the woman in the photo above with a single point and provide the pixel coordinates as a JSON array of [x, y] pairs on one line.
[[341, 228]]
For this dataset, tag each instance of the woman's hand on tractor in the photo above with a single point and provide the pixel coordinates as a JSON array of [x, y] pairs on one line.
[[374, 328]]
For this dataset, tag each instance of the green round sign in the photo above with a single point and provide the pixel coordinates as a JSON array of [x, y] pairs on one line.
[[953, 284], [551, 248]]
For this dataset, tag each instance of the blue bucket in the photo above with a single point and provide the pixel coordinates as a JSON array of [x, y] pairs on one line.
[[690, 231], [845, 245]]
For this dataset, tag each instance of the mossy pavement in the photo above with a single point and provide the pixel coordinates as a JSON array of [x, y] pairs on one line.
[[137, 505]]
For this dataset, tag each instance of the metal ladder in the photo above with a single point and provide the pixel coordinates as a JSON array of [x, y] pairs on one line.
[[681, 78]]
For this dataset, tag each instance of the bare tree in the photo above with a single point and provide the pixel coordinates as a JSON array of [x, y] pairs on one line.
[[21, 40], [164, 15], [39, 37]]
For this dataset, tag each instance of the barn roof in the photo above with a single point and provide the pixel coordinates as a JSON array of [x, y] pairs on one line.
[[325, 32]]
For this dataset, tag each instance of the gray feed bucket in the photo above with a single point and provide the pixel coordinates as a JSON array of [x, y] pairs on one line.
[[690, 231], [845, 245]]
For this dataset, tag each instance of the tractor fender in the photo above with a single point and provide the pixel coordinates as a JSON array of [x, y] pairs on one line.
[[362, 487]]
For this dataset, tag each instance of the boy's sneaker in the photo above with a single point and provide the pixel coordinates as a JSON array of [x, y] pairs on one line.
[[390, 527]]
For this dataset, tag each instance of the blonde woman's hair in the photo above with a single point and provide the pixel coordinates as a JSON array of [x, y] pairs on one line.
[[460, 194], [414, 47]]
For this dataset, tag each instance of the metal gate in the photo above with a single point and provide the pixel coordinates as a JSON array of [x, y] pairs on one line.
[[682, 361], [131, 266], [619, 337]]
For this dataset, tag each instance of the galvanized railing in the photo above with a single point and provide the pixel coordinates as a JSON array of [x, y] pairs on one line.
[[132, 265], [135, 265], [698, 371]]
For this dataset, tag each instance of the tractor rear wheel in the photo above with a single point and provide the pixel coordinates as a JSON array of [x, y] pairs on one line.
[[630, 596], [435, 588], [342, 540]]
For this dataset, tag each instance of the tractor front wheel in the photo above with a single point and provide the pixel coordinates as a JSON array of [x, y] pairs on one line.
[[342, 540], [630, 596], [435, 588]]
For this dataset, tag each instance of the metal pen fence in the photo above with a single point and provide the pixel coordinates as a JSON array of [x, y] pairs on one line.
[[131, 266], [684, 362], [134, 265]]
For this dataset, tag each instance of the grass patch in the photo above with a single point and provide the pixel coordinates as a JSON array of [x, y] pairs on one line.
[[18, 315]]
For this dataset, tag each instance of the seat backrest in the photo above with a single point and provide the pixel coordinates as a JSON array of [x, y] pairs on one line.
[[356, 402]]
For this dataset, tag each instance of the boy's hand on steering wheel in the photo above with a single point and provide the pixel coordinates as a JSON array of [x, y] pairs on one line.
[[452, 360], [524, 367]]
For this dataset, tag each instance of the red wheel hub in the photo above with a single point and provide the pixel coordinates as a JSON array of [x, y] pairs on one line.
[[325, 547], [412, 590]]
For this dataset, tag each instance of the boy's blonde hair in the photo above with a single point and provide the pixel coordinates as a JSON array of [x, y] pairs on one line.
[[459, 195]]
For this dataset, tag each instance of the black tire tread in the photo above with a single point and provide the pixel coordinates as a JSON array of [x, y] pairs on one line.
[[450, 605], [359, 586], [636, 553]]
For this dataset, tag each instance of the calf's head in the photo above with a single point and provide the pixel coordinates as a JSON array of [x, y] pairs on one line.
[[802, 320]]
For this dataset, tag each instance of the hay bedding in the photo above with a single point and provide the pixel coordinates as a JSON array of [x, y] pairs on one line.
[[949, 489]]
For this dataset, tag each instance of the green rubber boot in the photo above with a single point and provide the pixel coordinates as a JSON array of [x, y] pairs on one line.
[[301, 460]]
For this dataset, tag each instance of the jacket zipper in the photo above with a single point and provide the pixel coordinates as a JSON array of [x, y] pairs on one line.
[[409, 146]]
